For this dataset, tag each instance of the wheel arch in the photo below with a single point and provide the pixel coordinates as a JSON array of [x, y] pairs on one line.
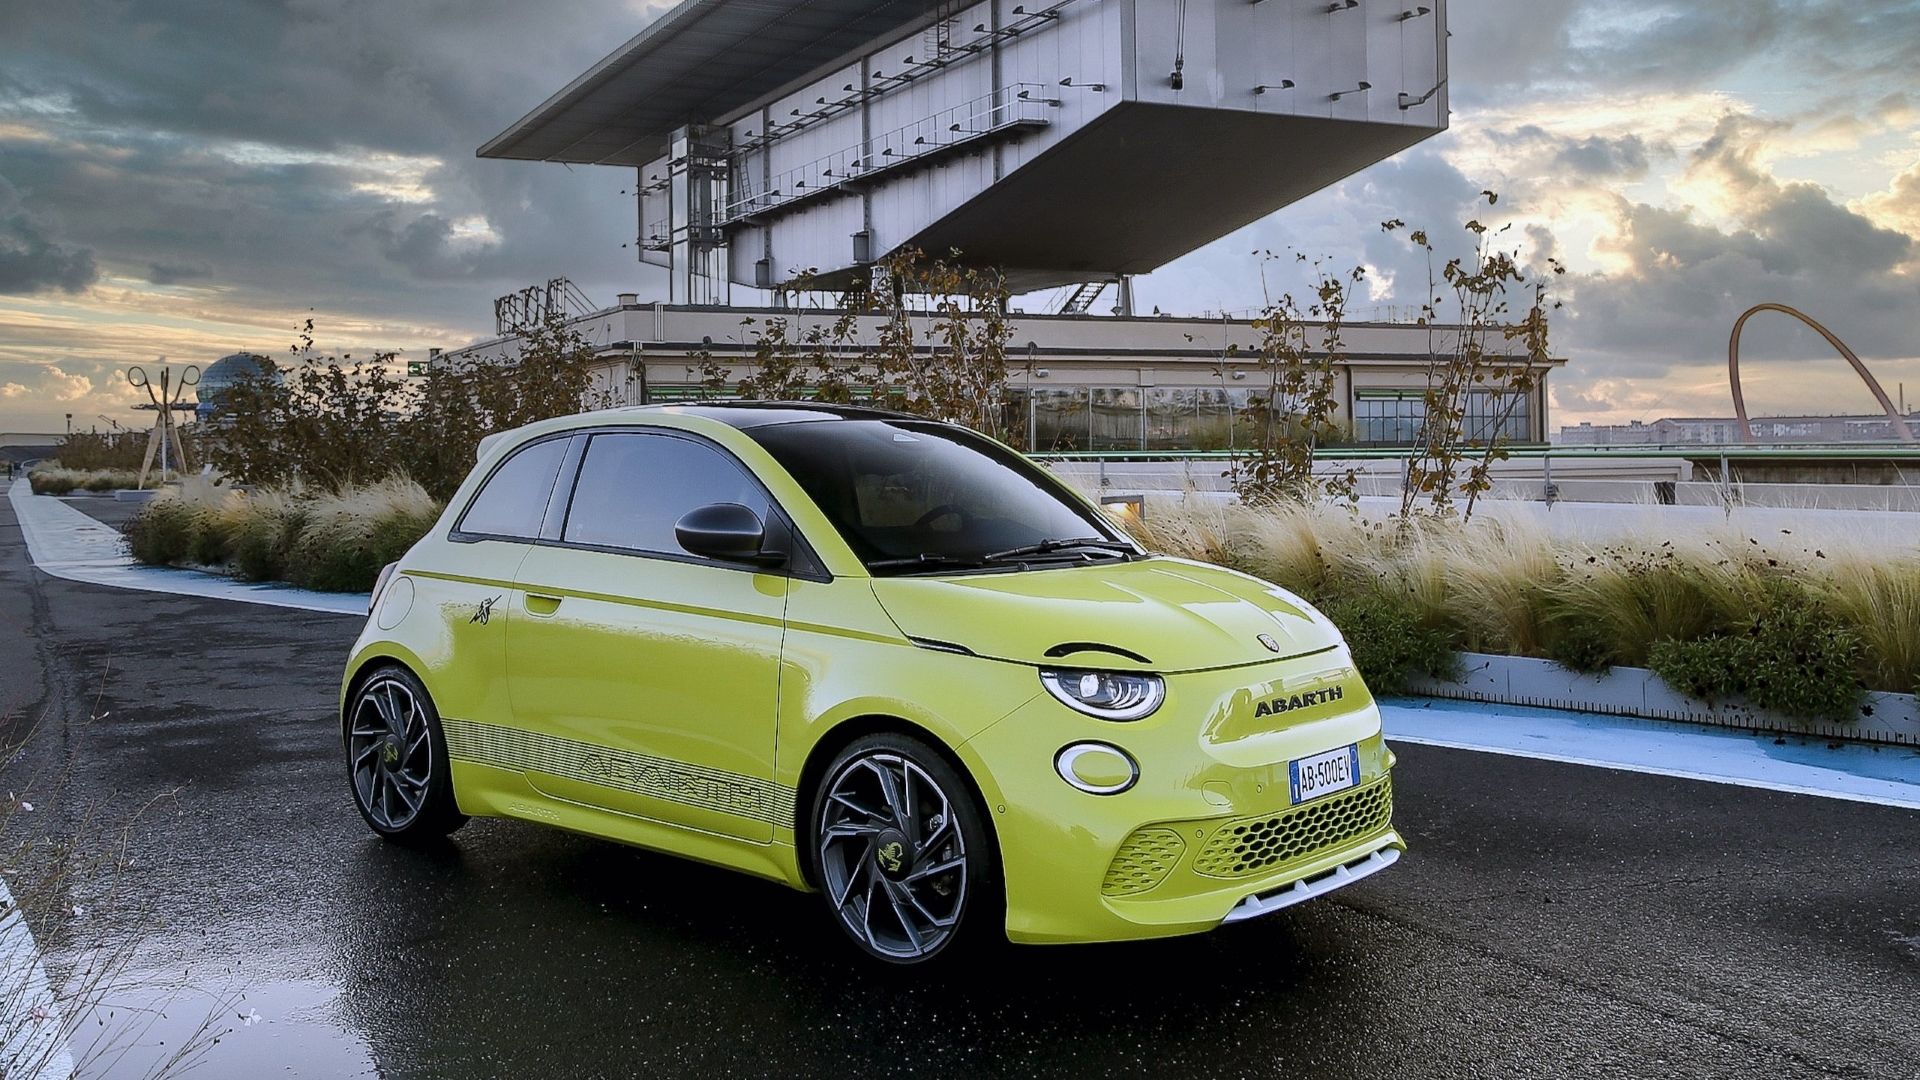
[[843, 735], [363, 669]]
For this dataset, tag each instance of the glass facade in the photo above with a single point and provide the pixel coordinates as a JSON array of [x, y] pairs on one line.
[[1133, 418], [1059, 419], [1393, 417]]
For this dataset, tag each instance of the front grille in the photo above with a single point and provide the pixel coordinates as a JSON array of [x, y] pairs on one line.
[[1251, 845], [1142, 862]]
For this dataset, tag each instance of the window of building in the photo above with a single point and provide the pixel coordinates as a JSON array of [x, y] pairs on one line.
[[1197, 418], [633, 487], [1388, 417], [1116, 418], [1494, 415], [1059, 418], [1395, 417], [514, 499]]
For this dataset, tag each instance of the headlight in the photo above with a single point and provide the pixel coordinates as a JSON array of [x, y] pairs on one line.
[[1109, 695]]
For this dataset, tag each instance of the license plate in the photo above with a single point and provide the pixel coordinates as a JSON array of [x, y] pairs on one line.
[[1324, 774]]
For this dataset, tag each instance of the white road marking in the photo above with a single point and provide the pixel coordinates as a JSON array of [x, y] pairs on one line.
[[30, 1035], [1885, 776], [65, 543]]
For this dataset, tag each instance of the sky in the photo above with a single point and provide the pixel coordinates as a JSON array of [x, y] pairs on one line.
[[183, 180]]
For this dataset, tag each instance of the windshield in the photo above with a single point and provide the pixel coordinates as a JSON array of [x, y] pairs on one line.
[[918, 496]]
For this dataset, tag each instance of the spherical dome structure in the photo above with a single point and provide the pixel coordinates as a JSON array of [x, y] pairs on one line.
[[223, 374]]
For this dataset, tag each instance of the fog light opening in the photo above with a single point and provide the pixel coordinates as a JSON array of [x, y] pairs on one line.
[[1097, 768]]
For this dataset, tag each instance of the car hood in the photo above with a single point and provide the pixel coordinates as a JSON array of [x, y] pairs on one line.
[[1156, 614]]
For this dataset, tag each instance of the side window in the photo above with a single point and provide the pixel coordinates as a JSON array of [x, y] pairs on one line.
[[633, 487], [514, 498]]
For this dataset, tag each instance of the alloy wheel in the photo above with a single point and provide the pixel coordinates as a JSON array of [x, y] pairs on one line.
[[892, 857], [390, 753]]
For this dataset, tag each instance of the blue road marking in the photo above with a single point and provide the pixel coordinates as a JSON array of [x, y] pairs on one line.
[[1886, 775]]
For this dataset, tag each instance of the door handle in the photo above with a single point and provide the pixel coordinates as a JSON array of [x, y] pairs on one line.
[[541, 604]]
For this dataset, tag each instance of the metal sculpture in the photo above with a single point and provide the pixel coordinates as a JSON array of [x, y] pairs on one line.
[[164, 401], [1894, 419]]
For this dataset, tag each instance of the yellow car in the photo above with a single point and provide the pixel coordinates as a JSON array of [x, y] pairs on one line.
[[871, 655]]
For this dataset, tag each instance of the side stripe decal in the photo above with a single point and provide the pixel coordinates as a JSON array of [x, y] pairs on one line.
[[621, 770]]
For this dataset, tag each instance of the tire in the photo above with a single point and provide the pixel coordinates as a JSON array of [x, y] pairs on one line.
[[901, 851], [396, 757]]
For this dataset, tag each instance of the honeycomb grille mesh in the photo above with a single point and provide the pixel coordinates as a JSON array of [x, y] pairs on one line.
[[1251, 845], [1142, 862]]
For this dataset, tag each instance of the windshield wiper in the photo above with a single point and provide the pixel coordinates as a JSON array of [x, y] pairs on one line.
[[926, 560], [1048, 547]]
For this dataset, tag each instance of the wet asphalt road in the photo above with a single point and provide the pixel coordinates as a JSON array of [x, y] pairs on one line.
[[1550, 920]]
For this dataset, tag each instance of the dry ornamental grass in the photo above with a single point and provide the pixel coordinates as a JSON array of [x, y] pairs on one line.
[[1841, 609]]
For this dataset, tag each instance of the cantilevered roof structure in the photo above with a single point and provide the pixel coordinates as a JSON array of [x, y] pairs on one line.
[[1057, 141], [703, 59]]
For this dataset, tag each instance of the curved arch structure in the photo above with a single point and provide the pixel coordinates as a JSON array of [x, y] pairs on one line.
[[1898, 422]]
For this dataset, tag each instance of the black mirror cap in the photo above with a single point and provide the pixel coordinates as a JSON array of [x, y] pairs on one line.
[[730, 532]]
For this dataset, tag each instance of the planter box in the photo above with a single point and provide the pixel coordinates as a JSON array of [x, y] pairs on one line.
[[1624, 691]]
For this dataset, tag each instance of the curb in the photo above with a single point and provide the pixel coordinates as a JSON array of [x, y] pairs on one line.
[[1892, 719]]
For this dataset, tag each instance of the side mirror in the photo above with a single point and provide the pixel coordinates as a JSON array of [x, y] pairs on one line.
[[727, 531]]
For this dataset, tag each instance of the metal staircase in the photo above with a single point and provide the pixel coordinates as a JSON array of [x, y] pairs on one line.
[[1081, 299]]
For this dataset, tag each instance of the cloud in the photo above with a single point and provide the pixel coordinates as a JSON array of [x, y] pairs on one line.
[[1567, 397], [1503, 50], [1897, 207], [312, 155], [31, 260], [169, 274], [1681, 279], [49, 383]]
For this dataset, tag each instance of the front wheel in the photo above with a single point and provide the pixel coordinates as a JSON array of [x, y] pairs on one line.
[[903, 857], [397, 759]]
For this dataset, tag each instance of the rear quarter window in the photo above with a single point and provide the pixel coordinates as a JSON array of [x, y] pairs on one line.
[[513, 501]]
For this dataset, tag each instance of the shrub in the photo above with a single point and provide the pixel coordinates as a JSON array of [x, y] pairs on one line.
[[1879, 598], [1578, 643], [1390, 644], [111, 480], [166, 532], [1500, 583], [261, 544], [1634, 597], [53, 479], [334, 542], [344, 539], [1792, 656]]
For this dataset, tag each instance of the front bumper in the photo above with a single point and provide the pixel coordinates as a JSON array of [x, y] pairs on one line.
[[1316, 885], [1209, 833]]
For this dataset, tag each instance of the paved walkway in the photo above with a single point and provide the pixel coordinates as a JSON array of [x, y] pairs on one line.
[[1884, 775], [68, 544]]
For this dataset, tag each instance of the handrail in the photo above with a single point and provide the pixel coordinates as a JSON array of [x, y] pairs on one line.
[[1012, 104], [1703, 450]]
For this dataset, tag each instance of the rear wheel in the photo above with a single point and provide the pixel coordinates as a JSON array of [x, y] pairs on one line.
[[904, 859], [397, 759]]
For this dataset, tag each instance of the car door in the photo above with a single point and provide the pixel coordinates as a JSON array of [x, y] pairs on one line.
[[464, 582], [646, 679]]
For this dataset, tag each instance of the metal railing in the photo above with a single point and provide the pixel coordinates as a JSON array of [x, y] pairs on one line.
[[1737, 451], [1018, 105]]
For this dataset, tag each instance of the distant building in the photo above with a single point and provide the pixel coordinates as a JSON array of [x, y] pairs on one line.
[[1076, 382], [223, 375], [1725, 430]]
